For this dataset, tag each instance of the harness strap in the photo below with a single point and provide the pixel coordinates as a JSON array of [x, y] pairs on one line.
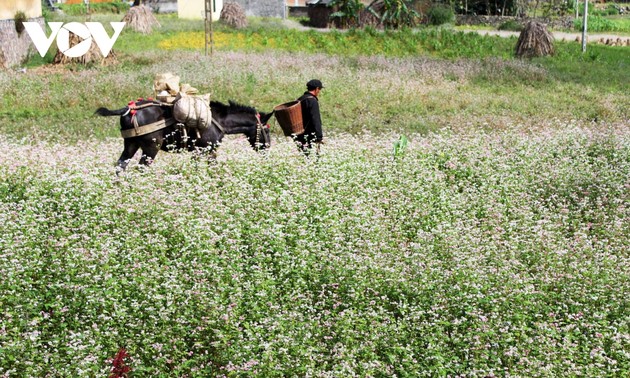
[[133, 105], [217, 124], [147, 129], [258, 130], [134, 121], [133, 108]]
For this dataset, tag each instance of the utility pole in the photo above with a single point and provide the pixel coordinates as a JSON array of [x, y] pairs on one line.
[[87, 10], [208, 23], [584, 37]]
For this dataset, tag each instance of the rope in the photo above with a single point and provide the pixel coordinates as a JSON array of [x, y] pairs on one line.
[[149, 104], [133, 108], [147, 129]]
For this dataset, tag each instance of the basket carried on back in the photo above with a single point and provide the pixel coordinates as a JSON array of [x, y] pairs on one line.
[[289, 116]]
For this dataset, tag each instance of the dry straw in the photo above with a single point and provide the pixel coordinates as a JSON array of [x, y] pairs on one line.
[[93, 55], [141, 19], [233, 15], [535, 40]]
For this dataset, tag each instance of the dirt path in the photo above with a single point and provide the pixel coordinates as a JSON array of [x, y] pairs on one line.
[[562, 36]]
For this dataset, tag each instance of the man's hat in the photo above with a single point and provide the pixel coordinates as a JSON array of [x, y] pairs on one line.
[[314, 84]]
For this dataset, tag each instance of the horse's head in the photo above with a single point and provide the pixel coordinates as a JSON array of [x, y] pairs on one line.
[[235, 118], [261, 140]]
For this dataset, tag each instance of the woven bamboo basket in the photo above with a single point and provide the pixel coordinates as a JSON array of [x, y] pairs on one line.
[[289, 116]]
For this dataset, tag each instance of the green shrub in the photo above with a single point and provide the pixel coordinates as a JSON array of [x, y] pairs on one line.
[[598, 24], [347, 11], [591, 7], [612, 10], [512, 25], [439, 15], [80, 9], [398, 13], [19, 19]]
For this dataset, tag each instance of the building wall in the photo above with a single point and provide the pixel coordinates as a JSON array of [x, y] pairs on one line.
[[264, 8], [194, 9], [14, 46], [32, 8]]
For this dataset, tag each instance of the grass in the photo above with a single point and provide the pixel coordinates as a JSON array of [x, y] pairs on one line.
[[412, 81], [115, 7], [493, 244], [596, 24], [406, 94], [599, 24]]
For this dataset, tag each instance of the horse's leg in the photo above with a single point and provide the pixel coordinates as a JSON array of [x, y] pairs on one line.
[[201, 145], [211, 154], [130, 148], [197, 144], [150, 147], [148, 155]]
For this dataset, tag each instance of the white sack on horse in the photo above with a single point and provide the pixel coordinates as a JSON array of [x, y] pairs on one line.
[[193, 111], [166, 82], [166, 87]]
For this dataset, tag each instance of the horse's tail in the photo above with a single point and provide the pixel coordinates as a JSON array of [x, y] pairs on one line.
[[106, 112]]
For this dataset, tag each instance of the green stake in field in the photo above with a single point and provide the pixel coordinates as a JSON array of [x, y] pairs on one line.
[[399, 146]]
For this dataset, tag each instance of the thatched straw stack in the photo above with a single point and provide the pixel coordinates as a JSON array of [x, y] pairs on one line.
[[233, 15], [534, 40], [93, 55], [141, 19]]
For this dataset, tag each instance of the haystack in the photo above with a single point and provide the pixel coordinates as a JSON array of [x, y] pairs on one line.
[[141, 19], [233, 15], [93, 55], [534, 40]]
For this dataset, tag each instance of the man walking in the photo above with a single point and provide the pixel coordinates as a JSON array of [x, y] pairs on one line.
[[311, 117]]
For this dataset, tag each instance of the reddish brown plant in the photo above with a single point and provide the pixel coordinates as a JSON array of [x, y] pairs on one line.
[[120, 368]]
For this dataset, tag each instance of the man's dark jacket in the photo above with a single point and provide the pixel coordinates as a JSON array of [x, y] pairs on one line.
[[311, 118]]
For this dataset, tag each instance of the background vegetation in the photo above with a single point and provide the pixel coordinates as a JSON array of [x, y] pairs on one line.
[[411, 80], [493, 242], [608, 16]]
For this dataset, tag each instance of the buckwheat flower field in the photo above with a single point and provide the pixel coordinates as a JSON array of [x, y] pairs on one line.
[[479, 254], [493, 243]]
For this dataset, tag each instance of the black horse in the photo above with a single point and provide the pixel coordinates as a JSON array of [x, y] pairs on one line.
[[149, 126]]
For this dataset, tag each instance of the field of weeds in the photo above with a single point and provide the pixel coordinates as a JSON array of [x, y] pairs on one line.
[[495, 244]]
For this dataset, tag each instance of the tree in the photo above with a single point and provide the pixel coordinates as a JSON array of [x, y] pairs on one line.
[[395, 13], [347, 12]]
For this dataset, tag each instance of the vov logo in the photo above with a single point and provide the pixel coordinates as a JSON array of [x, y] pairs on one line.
[[87, 31]]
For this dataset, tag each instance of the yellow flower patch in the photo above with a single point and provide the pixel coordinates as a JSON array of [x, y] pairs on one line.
[[196, 40]]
